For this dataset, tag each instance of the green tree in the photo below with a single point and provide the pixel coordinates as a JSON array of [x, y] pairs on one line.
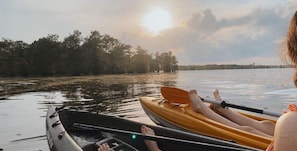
[[93, 54], [168, 62], [75, 55], [141, 60], [44, 55], [174, 63], [71, 57], [119, 58], [6, 58], [156, 63], [20, 59]]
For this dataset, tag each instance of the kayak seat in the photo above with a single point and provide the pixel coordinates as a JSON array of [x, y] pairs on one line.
[[90, 147], [115, 144]]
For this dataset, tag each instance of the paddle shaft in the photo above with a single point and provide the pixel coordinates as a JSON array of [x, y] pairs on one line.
[[225, 104], [153, 137], [34, 137]]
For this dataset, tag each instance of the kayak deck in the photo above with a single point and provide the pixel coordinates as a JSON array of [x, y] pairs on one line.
[[184, 118]]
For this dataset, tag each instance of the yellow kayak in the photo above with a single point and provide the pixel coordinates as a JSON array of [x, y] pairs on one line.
[[184, 118]]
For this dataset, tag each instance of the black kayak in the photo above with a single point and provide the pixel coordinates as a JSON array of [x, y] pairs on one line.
[[74, 130]]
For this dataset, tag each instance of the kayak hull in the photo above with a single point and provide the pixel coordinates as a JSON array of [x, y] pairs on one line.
[[64, 133], [182, 117]]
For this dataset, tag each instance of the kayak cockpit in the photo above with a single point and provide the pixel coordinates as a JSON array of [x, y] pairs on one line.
[[90, 139], [65, 133]]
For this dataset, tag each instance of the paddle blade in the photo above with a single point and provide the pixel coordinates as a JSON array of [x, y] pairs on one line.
[[175, 95]]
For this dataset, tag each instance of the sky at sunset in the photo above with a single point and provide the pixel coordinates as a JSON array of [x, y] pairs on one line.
[[196, 31]]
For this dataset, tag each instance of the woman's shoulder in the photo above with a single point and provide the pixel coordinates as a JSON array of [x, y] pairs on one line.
[[285, 135], [289, 116], [288, 121]]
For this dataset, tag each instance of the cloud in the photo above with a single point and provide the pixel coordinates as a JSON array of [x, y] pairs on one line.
[[205, 20], [205, 39]]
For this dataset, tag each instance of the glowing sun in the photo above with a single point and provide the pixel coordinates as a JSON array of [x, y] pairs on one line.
[[156, 21]]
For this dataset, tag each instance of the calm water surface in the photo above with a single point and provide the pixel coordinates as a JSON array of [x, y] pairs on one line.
[[23, 116]]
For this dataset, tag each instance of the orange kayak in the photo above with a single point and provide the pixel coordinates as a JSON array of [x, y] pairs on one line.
[[184, 118]]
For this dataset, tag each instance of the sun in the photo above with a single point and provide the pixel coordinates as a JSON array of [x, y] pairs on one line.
[[156, 21]]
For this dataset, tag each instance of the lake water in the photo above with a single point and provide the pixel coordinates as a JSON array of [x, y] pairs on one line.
[[23, 115]]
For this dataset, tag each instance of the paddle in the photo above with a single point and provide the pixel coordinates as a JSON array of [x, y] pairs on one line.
[[34, 137], [154, 137], [177, 95]]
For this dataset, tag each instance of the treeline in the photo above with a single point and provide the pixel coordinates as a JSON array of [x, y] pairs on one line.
[[75, 55], [229, 66]]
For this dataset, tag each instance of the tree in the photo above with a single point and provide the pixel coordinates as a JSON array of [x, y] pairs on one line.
[[141, 60], [93, 54], [168, 62], [119, 58], [6, 58], [44, 55], [156, 63], [20, 58], [71, 57]]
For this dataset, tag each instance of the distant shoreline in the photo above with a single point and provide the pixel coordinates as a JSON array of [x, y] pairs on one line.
[[229, 66]]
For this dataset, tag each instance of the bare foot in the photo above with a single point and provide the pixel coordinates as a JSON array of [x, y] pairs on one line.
[[104, 147], [196, 101], [216, 95], [151, 145]]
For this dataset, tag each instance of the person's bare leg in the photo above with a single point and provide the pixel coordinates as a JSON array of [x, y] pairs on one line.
[[202, 108], [151, 145], [263, 126], [104, 147]]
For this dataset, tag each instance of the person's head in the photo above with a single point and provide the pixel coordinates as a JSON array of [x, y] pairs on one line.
[[292, 44]]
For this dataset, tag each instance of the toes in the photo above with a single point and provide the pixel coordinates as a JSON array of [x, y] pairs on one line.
[[144, 129], [147, 131], [104, 147], [193, 92], [217, 95]]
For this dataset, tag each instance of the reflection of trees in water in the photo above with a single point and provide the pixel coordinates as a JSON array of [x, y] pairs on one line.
[[100, 97], [111, 95], [93, 96]]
